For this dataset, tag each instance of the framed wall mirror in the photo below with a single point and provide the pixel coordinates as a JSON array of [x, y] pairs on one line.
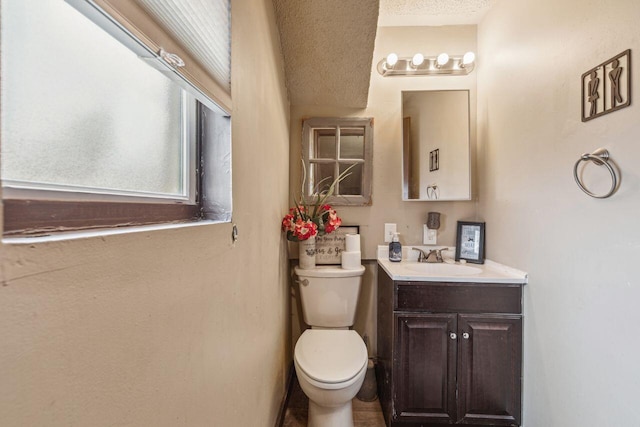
[[436, 145]]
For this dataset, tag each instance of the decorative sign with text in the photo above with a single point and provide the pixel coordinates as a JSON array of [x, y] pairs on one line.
[[329, 247], [607, 87]]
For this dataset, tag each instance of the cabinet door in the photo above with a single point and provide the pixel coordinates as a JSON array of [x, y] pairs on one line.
[[489, 369], [424, 368]]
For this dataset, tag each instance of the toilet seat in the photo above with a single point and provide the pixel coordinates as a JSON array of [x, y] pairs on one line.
[[330, 356]]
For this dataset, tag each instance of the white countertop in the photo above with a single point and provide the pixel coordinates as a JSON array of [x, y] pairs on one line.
[[489, 272]]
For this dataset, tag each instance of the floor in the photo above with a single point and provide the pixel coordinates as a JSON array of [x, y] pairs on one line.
[[365, 414]]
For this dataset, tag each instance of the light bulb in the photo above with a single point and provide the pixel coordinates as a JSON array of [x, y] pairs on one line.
[[392, 59], [468, 58], [443, 58], [417, 59]]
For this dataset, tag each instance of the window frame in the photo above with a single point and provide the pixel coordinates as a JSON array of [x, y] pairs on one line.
[[41, 211], [308, 142]]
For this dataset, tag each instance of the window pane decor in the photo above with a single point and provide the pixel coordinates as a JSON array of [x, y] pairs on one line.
[[330, 147]]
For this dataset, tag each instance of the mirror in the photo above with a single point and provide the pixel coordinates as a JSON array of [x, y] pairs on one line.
[[435, 133]]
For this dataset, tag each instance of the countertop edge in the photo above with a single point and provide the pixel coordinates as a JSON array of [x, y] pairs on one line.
[[516, 276]]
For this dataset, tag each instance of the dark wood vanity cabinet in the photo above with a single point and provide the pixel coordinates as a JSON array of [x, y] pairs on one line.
[[449, 353]]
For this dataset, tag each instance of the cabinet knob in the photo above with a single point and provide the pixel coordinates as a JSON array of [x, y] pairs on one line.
[[453, 335], [465, 335]]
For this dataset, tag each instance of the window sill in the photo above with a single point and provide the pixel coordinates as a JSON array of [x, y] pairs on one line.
[[88, 234]]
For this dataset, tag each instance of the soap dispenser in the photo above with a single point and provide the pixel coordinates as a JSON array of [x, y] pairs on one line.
[[395, 249]]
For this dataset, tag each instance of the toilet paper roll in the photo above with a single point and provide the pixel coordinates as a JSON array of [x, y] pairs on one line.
[[352, 243], [351, 260]]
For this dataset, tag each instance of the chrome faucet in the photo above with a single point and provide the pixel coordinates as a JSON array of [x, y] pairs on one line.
[[433, 256], [422, 257]]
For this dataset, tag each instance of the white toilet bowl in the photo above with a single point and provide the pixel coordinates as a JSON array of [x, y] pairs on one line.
[[330, 365]]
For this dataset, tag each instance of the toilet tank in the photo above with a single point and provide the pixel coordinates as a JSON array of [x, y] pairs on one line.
[[329, 295]]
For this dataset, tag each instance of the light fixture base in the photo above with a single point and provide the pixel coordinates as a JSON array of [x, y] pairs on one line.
[[430, 67]]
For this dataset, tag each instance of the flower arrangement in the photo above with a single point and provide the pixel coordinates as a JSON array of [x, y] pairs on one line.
[[306, 220]]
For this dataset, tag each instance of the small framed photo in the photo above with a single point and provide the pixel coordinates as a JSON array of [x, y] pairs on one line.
[[470, 242]]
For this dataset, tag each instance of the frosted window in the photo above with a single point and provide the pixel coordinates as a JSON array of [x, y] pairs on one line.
[[81, 109]]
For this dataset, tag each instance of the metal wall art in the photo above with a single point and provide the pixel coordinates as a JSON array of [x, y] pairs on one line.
[[607, 87], [434, 160]]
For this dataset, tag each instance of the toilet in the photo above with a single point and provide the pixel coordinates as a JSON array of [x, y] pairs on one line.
[[330, 359]]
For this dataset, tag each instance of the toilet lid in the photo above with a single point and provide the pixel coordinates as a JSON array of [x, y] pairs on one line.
[[330, 356]]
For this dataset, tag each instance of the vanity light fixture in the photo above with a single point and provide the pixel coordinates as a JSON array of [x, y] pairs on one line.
[[417, 60], [468, 58], [442, 60], [420, 65], [391, 60]]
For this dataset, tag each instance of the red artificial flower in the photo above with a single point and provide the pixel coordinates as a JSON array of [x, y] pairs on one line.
[[288, 222], [305, 229], [300, 225], [333, 221]]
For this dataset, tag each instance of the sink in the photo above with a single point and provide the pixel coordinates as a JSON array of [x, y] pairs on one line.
[[448, 271], [443, 269]]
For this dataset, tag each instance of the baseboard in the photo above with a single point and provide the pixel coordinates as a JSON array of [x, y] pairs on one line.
[[287, 395]]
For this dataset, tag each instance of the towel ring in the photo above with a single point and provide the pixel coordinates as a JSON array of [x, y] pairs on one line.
[[599, 157], [432, 192]]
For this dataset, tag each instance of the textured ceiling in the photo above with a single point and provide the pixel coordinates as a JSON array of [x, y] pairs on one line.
[[328, 44], [328, 49], [432, 12]]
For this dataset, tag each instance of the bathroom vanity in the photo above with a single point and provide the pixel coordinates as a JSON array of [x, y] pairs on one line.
[[449, 344]]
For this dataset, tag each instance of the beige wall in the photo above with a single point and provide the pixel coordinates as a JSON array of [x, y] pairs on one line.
[[165, 328], [581, 304], [385, 107]]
